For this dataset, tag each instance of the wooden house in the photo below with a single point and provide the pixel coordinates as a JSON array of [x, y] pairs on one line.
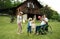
[[30, 8]]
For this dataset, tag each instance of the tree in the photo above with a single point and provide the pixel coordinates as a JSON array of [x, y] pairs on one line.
[[8, 3], [55, 15], [51, 14], [15, 2], [5, 4]]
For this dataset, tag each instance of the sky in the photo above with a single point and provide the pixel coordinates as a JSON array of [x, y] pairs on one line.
[[54, 4]]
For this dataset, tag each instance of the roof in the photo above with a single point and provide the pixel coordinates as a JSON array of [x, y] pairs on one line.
[[35, 1]]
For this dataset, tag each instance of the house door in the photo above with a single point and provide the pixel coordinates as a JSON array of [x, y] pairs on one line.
[[30, 16], [37, 16]]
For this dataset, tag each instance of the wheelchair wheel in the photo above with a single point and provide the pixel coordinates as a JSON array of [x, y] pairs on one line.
[[50, 29]]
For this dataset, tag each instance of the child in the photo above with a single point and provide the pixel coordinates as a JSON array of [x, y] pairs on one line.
[[29, 25], [33, 25]]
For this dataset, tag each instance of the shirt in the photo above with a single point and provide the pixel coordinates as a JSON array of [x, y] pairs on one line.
[[43, 22], [19, 18], [29, 23]]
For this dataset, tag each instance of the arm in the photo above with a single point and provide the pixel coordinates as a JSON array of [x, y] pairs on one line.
[[46, 20]]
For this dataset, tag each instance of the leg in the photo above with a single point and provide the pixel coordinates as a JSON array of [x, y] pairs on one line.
[[46, 28], [37, 29], [19, 28], [30, 29]]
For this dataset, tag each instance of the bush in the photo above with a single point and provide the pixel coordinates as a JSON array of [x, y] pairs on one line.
[[55, 15], [59, 18]]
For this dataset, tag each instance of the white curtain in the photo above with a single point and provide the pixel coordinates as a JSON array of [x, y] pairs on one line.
[[30, 4]]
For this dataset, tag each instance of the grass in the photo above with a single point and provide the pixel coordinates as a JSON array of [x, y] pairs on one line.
[[9, 30]]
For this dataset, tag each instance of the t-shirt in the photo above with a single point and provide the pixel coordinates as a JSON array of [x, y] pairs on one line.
[[29, 23], [33, 25], [43, 22], [19, 18]]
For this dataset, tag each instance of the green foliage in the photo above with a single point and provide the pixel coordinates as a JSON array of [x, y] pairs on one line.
[[55, 15], [5, 4], [16, 4], [8, 4], [59, 18], [1, 4], [46, 10], [51, 14]]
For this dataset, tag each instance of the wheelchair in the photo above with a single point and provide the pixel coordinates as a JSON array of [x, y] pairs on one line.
[[43, 30]]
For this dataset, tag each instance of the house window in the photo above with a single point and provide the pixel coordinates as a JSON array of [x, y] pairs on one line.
[[28, 4], [31, 5]]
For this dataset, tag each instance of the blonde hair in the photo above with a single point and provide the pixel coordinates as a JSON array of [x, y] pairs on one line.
[[30, 19], [21, 12]]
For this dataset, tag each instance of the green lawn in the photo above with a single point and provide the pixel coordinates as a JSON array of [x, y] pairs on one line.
[[9, 30]]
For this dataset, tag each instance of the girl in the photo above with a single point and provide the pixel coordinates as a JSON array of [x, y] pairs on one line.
[[33, 25], [19, 22]]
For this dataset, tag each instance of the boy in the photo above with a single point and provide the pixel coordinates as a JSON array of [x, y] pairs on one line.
[[29, 25]]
